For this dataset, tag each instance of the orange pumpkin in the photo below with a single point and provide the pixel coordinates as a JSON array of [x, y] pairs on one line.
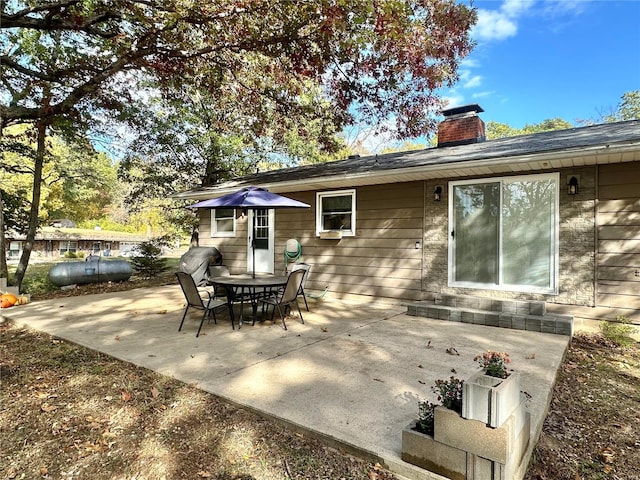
[[8, 300]]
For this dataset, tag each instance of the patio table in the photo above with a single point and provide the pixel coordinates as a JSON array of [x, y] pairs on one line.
[[241, 287]]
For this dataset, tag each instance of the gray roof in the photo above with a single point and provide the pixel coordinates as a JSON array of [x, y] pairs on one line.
[[608, 142]]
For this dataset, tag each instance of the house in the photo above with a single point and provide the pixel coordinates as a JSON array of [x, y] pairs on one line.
[[53, 242], [552, 217]]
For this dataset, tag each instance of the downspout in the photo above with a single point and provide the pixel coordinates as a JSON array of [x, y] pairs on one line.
[[596, 206], [424, 237]]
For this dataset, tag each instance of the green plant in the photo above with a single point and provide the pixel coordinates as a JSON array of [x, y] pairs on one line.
[[618, 332], [425, 421], [70, 254], [449, 393], [147, 261], [493, 363], [37, 281]]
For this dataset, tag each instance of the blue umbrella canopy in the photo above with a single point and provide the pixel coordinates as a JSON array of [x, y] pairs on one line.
[[251, 197]]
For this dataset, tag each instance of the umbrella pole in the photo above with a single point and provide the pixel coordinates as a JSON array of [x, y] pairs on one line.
[[253, 243]]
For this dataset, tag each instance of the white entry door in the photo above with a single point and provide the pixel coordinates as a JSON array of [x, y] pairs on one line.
[[264, 227]]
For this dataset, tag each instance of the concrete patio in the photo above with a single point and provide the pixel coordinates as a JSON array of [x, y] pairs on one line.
[[352, 375]]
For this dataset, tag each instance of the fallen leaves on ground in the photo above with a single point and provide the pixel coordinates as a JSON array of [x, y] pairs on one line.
[[69, 412], [591, 431]]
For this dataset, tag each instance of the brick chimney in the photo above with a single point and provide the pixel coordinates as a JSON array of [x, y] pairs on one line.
[[461, 126]]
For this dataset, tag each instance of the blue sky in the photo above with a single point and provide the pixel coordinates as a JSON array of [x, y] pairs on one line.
[[540, 59]]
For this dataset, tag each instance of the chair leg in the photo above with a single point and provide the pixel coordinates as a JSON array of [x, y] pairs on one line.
[[204, 315], [300, 311], [305, 300], [284, 325], [183, 317]]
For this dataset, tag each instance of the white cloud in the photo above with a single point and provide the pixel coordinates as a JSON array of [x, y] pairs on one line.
[[556, 8], [482, 94], [453, 100], [502, 23], [473, 82], [493, 26], [515, 8], [469, 63]]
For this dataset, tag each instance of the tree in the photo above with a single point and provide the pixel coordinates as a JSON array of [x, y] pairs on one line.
[[76, 181], [70, 58], [627, 109], [82, 181], [496, 130], [147, 261], [69, 64]]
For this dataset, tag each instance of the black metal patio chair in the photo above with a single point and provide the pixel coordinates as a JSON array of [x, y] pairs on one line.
[[288, 297], [307, 268], [195, 299]]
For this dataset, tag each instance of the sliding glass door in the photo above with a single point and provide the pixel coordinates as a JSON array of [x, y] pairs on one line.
[[504, 233]]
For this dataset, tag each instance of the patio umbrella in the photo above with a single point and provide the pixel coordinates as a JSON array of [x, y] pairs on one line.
[[251, 198]]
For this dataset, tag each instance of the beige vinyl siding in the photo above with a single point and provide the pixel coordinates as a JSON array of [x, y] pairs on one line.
[[233, 249], [380, 260], [618, 223]]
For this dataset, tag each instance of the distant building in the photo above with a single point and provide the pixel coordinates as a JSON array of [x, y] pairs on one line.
[[55, 242]]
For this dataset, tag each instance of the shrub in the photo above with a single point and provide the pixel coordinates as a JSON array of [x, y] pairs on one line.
[[70, 255], [146, 261], [37, 281], [618, 332]]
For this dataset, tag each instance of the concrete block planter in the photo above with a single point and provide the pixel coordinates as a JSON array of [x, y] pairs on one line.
[[423, 451], [489, 399], [463, 449]]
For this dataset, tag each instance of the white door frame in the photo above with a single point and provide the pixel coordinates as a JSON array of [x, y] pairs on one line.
[[265, 258]]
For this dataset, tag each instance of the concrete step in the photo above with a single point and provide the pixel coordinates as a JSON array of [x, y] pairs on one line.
[[549, 323], [522, 307]]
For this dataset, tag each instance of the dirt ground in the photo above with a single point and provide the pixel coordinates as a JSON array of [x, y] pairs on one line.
[[71, 413], [593, 427]]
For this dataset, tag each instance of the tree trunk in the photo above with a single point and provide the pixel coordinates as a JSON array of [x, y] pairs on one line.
[[35, 204], [195, 237], [4, 270]]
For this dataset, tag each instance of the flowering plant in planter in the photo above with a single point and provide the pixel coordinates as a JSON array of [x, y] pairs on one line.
[[449, 393], [426, 419], [493, 363]]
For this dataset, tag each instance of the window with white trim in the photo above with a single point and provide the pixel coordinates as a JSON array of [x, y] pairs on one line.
[[14, 249], [223, 222], [503, 233], [70, 246], [336, 211]]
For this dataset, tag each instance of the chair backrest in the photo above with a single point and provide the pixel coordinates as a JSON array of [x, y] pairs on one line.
[[306, 268], [189, 289], [293, 286]]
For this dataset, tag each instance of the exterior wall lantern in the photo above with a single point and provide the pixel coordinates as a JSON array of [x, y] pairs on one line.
[[437, 193], [573, 185]]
